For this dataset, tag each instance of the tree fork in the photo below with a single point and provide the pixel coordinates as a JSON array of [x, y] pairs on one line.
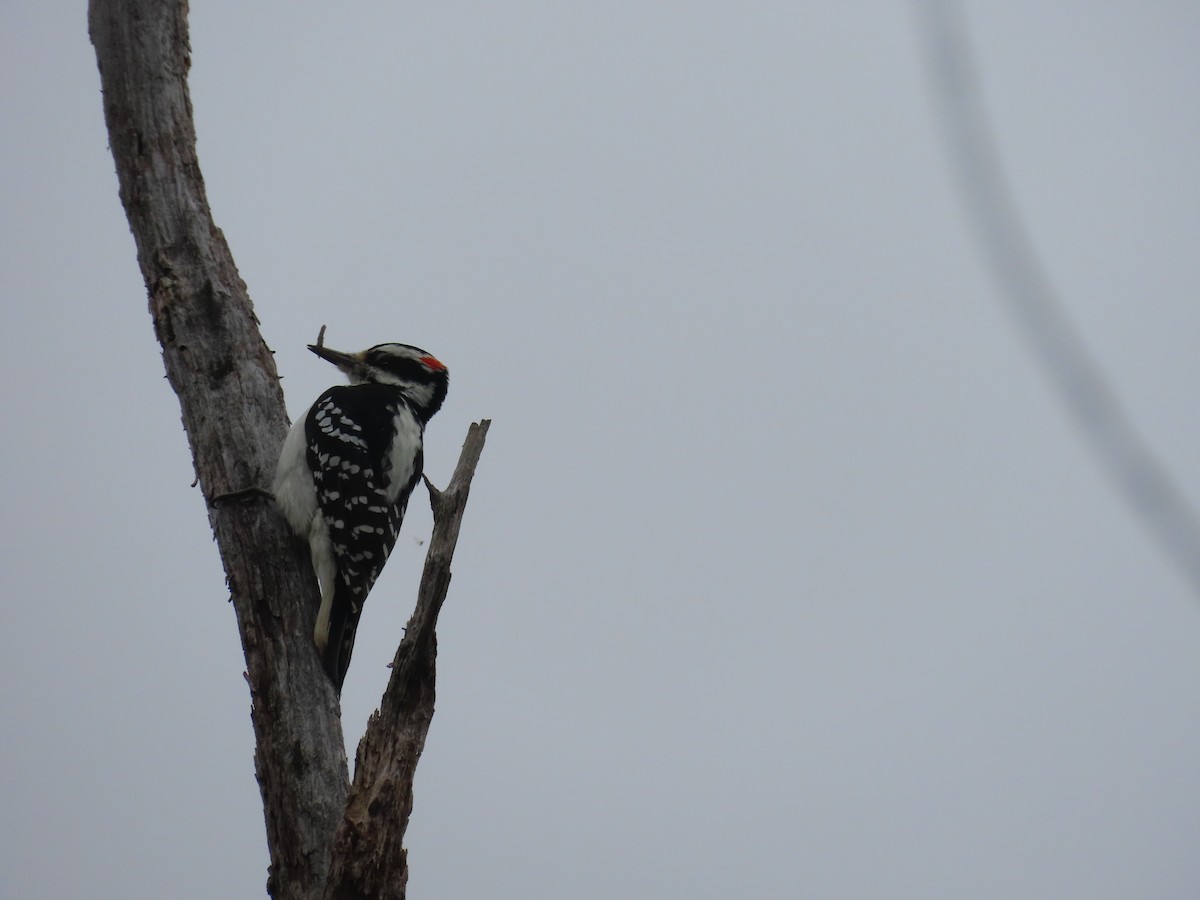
[[235, 419]]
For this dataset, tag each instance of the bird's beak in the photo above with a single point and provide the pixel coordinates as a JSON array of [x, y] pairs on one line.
[[344, 361]]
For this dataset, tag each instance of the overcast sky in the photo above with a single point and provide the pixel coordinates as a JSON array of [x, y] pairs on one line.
[[784, 574]]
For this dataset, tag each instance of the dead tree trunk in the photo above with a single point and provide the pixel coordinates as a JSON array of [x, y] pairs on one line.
[[235, 419]]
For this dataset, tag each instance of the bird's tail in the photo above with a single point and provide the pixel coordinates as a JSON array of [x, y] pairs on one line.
[[339, 644]]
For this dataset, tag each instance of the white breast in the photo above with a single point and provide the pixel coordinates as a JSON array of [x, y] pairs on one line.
[[406, 446], [293, 488]]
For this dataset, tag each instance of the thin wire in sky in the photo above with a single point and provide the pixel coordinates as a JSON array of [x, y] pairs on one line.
[[1031, 300]]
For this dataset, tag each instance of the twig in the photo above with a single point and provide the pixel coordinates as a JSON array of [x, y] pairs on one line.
[[245, 493], [1036, 308]]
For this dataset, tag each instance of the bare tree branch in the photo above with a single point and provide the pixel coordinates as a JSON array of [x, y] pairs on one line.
[[369, 859], [234, 416], [1040, 316]]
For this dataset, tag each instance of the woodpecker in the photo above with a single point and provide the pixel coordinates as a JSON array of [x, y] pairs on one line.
[[345, 474]]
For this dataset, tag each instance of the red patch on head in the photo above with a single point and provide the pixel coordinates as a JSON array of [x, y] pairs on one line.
[[432, 362]]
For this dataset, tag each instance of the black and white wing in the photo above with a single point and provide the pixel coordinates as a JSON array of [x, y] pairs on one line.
[[365, 453]]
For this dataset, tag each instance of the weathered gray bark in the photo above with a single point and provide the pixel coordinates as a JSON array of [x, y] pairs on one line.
[[234, 416]]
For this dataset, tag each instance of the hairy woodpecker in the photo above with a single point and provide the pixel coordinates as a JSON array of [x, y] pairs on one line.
[[345, 475]]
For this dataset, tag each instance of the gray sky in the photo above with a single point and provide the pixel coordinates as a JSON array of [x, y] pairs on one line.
[[784, 574]]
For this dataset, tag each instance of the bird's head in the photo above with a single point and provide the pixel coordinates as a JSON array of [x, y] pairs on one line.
[[420, 376]]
